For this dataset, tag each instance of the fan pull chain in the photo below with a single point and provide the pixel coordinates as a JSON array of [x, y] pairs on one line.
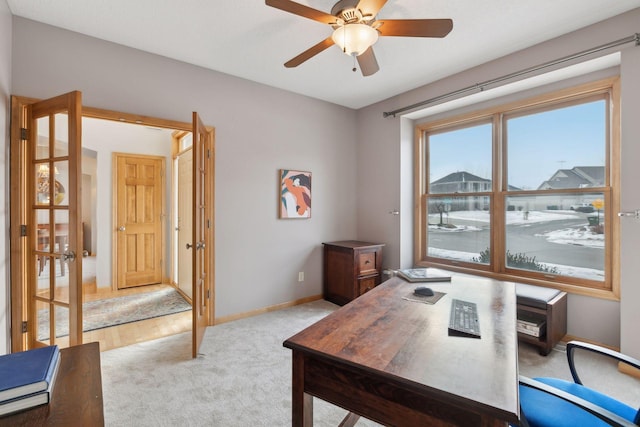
[[354, 63], [344, 42]]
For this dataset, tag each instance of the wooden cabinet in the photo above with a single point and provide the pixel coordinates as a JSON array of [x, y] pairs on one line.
[[547, 309], [351, 268]]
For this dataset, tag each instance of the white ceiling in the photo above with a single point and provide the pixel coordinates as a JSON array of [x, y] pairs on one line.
[[248, 39]]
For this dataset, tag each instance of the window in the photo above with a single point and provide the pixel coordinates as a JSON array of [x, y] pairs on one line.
[[524, 192], [186, 141], [459, 206]]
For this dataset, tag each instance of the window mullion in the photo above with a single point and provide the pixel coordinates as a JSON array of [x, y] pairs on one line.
[[498, 205]]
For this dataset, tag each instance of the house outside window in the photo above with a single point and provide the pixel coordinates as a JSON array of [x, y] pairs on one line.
[[525, 192]]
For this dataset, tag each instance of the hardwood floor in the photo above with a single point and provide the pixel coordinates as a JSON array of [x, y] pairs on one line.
[[131, 333], [145, 330]]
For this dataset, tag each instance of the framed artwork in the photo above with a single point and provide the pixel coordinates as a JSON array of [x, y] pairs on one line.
[[295, 194]]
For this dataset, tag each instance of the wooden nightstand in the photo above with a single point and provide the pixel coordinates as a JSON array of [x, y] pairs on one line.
[[546, 307], [351, 268]]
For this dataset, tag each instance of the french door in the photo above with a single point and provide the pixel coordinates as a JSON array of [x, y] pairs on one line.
[[202, 230], [53, 231], [46, 228]]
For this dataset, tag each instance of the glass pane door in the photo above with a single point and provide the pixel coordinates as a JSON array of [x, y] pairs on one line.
[[53, 287]]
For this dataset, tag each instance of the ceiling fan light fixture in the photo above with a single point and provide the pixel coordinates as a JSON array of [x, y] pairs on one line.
[[354, 38]]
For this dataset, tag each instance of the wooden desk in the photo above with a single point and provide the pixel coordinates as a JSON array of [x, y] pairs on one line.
[[77, 393], [392, 361]]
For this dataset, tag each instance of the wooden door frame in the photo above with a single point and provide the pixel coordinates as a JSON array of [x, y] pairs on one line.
[[175, 189], [18, 215]]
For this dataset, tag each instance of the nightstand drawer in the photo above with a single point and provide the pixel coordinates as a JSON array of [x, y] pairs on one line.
[[366, 284], [367, 263]]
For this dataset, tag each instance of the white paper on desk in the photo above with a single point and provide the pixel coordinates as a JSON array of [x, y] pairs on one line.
[[425, 299]]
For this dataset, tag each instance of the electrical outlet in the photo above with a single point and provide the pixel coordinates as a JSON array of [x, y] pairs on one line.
[[301, 276]]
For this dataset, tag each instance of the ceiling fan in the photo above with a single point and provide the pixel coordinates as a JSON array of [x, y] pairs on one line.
[[355, 29]]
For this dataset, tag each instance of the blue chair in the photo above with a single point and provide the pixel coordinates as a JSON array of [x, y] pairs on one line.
[[551, 402]]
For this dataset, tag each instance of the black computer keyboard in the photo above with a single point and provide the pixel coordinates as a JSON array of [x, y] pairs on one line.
[[463, 320]]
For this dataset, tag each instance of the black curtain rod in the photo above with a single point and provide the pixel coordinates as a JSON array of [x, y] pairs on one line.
[[480, 86]]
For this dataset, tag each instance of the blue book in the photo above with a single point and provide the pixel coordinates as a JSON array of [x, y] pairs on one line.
[[27, 372], [30, 400]]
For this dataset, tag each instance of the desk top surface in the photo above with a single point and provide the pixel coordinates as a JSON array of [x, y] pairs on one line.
[[387, 335]]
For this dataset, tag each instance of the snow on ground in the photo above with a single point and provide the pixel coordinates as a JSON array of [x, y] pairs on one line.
[[454, 255], [579, 236], [518, 218], [455, 228], [564, 270], [513, 217]]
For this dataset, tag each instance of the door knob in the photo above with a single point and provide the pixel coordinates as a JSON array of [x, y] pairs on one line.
[[68, 256], [199, 245], [189, 245], [121, 228], [635, 214]]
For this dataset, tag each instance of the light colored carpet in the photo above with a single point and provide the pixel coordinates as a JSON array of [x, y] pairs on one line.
[[243, 377]]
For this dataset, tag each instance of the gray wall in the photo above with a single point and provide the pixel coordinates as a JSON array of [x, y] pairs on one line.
[[383, 183], [629, 313], [5, 93], [259, 130]]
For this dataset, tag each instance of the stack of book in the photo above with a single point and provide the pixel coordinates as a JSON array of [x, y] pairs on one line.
[[27, 378], [424, 275], [529, 325]]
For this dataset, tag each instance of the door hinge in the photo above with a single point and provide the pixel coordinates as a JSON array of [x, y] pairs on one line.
[[208, 153], [23, 230], [23, 134], [208, 223], [208, 293], [24, 327]]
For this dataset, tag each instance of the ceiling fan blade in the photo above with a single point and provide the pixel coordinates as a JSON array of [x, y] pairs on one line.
[[371, 7], [302, 10], [310, 53], [415, 27], [368, 63]]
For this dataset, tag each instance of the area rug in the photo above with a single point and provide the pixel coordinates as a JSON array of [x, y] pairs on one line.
[[117, 311]]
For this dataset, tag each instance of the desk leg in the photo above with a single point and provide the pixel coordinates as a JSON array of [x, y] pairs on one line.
[[302, 403]]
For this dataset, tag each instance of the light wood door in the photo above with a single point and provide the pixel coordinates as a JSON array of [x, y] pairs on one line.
[[202, 255], [185, 216], [54, 230], [139, 217]]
